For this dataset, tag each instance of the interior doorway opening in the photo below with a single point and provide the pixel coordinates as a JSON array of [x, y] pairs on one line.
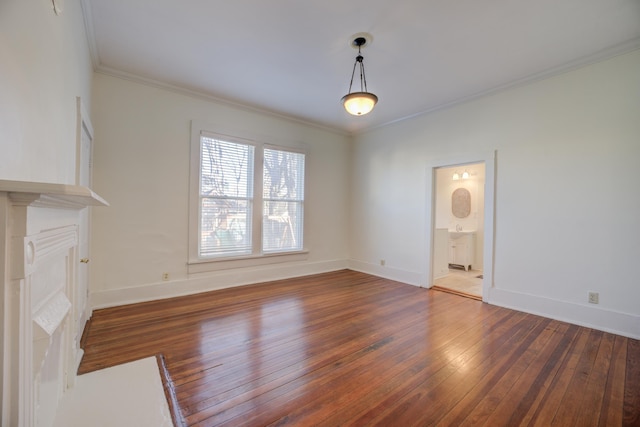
[[459, 229], [444, 177]]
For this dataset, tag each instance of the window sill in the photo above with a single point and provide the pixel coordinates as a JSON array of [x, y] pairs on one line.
[[216, 264]]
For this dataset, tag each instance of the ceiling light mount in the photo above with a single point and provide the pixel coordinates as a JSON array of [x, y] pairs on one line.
[[360, 40], [362, 102]]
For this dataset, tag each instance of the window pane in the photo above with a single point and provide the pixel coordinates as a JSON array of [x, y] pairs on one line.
[[283, 195], [225, 227], [282, 226], [283, 176], [226, 189], [225, 168]]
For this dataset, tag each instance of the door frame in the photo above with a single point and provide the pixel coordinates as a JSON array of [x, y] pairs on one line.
[[489, 160], [80, 314]]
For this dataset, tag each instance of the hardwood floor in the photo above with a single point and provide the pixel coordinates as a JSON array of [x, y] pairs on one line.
[[350, 349]]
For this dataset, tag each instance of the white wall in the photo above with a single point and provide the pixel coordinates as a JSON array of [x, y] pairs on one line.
[[567, 198], [142, 142], [45, 65]]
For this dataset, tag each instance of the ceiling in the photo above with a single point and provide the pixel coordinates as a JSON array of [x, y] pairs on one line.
[[293, 58]]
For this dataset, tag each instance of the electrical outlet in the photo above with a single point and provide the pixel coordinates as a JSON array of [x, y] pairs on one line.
[[382, 262], [165, 276], [594, 298]]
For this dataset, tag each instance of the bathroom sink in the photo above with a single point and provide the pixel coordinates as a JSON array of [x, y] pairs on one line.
[[455, 234]]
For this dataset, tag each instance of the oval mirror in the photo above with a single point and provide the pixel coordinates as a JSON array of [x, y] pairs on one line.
[[461, 203]]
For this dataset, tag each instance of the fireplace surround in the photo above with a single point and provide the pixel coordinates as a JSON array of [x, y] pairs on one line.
[[42, 316]]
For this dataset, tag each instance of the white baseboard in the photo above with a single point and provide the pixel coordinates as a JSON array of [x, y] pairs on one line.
[[624, 324], [404, 276], [209, 282], [592, 317]]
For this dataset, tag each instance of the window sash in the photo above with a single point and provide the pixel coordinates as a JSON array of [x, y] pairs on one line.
[[282, 232], [225, 227], [283, 200], [226, 198]]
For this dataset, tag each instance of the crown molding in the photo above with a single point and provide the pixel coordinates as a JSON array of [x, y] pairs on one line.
[[603, 55], [213, 98]]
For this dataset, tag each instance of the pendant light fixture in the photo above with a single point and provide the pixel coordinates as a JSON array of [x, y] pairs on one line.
[[359, 103]]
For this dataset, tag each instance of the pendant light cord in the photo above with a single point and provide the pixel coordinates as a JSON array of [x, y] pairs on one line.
[[363, 78], [353, 73]]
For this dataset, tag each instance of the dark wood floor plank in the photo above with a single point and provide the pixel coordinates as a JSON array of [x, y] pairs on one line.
[[527, 375], [552, 361], [631, 414], [329, 360], [350, 349], [401, 367], [305, 367], [589, 414], [613, 392], [317, 386], [548, 404], [443, 398], [350, 336], [382, 391], [573, 400], [135, 345], [299, 331], [436, 390], [512, 395]]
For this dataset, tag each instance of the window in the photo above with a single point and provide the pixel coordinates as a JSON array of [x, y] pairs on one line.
[[250, 199]]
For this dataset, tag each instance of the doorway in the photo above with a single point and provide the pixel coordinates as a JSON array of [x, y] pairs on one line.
[[459, 229], [461, 224]]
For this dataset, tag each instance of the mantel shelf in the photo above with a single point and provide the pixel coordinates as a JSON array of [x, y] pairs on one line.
[[41, 194]]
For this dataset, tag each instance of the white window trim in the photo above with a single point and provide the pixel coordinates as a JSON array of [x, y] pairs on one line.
[[195, 264]]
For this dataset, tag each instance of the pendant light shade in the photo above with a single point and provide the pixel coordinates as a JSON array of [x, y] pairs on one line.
[[359, 103]]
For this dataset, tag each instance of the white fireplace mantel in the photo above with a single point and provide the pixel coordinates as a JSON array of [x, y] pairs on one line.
[[39, 256], [47, 195]]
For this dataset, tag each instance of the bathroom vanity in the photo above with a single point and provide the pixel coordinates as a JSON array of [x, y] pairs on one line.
[[462, 248]]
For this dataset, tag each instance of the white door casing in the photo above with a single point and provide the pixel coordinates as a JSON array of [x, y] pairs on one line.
[[84, 163]]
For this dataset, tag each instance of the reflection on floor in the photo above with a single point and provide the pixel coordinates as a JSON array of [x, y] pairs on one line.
[[462, 282]]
